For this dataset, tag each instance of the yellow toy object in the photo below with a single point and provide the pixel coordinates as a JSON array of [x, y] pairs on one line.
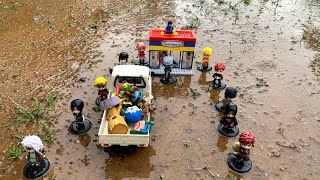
[[236, 146], [174, 33], [207, 51], [100, 81], [116, 122]]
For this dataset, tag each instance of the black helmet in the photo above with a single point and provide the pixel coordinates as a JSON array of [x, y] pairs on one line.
[[123, 56], [77, 103], [231, 108], [230, 92]]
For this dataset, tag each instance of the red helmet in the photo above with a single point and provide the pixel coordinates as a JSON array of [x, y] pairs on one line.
[[219, 66], [247, 138]]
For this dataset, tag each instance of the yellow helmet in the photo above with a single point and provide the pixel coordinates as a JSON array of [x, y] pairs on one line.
[[100, 81], [207, 51]]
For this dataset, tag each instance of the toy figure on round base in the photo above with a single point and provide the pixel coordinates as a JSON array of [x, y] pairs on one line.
[[240, 161], [80, 125], [141, 47], [101, 84], [168, 78], [229, 94], [123, 58], [37, 164], [217, 82], [228, 124], [207, 52]]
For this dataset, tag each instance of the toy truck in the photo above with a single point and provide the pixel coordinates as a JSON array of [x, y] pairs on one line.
[[139, 76]]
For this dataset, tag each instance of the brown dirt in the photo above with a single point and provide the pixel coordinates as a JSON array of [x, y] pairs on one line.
[[267, 60]]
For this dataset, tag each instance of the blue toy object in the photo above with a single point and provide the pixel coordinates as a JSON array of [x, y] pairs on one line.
[[133, 114], [169, 28], [138, 96]]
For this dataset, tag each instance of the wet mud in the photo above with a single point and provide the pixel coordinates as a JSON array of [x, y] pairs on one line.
[[271, 52]]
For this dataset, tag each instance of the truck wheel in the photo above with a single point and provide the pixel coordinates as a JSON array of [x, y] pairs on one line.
[[106, 149]]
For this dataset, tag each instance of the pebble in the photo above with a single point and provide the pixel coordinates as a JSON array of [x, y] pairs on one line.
[[276, 153], [77, 141]]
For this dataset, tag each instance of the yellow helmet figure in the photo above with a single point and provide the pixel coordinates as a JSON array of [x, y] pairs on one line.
[[207, 51], [100, 81]]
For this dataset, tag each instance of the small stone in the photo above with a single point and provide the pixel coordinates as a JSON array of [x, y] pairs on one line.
[[77, 141], [276, 153]]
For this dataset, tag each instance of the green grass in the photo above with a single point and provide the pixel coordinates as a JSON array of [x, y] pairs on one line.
[[194, 93], [14, 152]]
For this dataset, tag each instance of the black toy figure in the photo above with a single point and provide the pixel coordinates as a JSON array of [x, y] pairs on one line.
[[101, 84], [123, 58], [229, 94], [80, 125], [168, 78], [240, 161], [37, 164], [217, 82], [228, 124]]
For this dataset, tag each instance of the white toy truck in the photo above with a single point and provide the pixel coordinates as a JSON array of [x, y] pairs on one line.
[[139, 76]]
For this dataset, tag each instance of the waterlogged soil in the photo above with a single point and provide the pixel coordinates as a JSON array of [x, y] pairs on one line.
[[270, 49]]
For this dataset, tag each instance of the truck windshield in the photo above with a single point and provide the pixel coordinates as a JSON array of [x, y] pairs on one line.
[[137, 81]]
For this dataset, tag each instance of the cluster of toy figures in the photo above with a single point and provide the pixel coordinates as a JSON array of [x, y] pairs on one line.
[[228, 125]]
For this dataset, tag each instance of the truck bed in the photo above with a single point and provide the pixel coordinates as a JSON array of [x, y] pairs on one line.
[[106, 139]]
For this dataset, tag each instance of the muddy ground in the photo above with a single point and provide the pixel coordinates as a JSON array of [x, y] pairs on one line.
[[271, 49]]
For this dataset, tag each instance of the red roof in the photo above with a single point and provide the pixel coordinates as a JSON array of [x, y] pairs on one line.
[[183, 35]]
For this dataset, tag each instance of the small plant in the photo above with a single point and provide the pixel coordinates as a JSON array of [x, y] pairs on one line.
[[194, 93], [26, 115], [48, 135], [51, 101], [14, 152]]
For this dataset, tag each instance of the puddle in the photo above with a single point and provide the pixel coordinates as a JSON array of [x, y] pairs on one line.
[[135, 164], [260, 43]]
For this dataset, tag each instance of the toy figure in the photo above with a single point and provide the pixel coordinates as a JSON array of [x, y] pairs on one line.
[[123, 58], [229, 94], [169, 28], [217, 82], [141, 47], [101, 84], [37, 164], [240, 161], [80, 125], [168, 78], [207, 52], [228, 124]]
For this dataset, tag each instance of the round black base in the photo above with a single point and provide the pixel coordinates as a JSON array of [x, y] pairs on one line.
[[216, 86], [30, 170], [98, 100], [240, 167], [145, 63], [200, 68], [219, 106], [223, 130], [170, 80], [79, 127]]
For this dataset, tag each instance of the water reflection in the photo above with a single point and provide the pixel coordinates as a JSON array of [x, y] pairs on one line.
[[233, 175], [222, 143], [203, 79], [214, 96], [177, 90], [132, 164]]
